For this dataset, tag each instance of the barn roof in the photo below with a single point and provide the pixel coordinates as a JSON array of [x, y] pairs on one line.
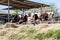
[[22, 4]]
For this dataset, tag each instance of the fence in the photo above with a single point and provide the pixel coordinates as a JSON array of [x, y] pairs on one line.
[[50, 22]]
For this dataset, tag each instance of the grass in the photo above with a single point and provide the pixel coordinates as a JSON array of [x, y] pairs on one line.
[[32, 30], [57, 33], [49, 34], [22, 30], [15, 37], [32, 34], [3, 33], [39, 36]]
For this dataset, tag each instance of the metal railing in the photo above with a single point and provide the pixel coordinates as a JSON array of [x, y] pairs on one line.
[[50, 22]]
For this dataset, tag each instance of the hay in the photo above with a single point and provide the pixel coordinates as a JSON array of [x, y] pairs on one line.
[[11, 25]]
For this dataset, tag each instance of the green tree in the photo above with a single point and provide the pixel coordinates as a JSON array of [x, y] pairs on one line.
[[15, 12]]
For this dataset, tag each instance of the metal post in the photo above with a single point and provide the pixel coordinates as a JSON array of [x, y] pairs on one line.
[[23, 11], [8, 9], [41, 9], [34, 10], [34, 19]]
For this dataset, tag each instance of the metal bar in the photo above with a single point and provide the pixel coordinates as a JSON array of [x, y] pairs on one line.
[[8, 9], [34, 10], [41, 9], [23, 11]]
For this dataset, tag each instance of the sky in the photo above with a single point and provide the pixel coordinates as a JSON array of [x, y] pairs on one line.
[[55, 2]]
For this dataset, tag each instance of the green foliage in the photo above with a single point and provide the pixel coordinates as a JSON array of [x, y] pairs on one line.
[[32, 30], [15, 12], [49, 34], [31, 33], [39, 36], [57, 32]]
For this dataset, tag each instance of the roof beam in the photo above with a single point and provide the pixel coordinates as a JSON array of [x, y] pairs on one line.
[[22, 4], [15, 4]]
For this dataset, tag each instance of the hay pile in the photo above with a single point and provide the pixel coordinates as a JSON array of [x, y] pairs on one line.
[[13, 25]]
